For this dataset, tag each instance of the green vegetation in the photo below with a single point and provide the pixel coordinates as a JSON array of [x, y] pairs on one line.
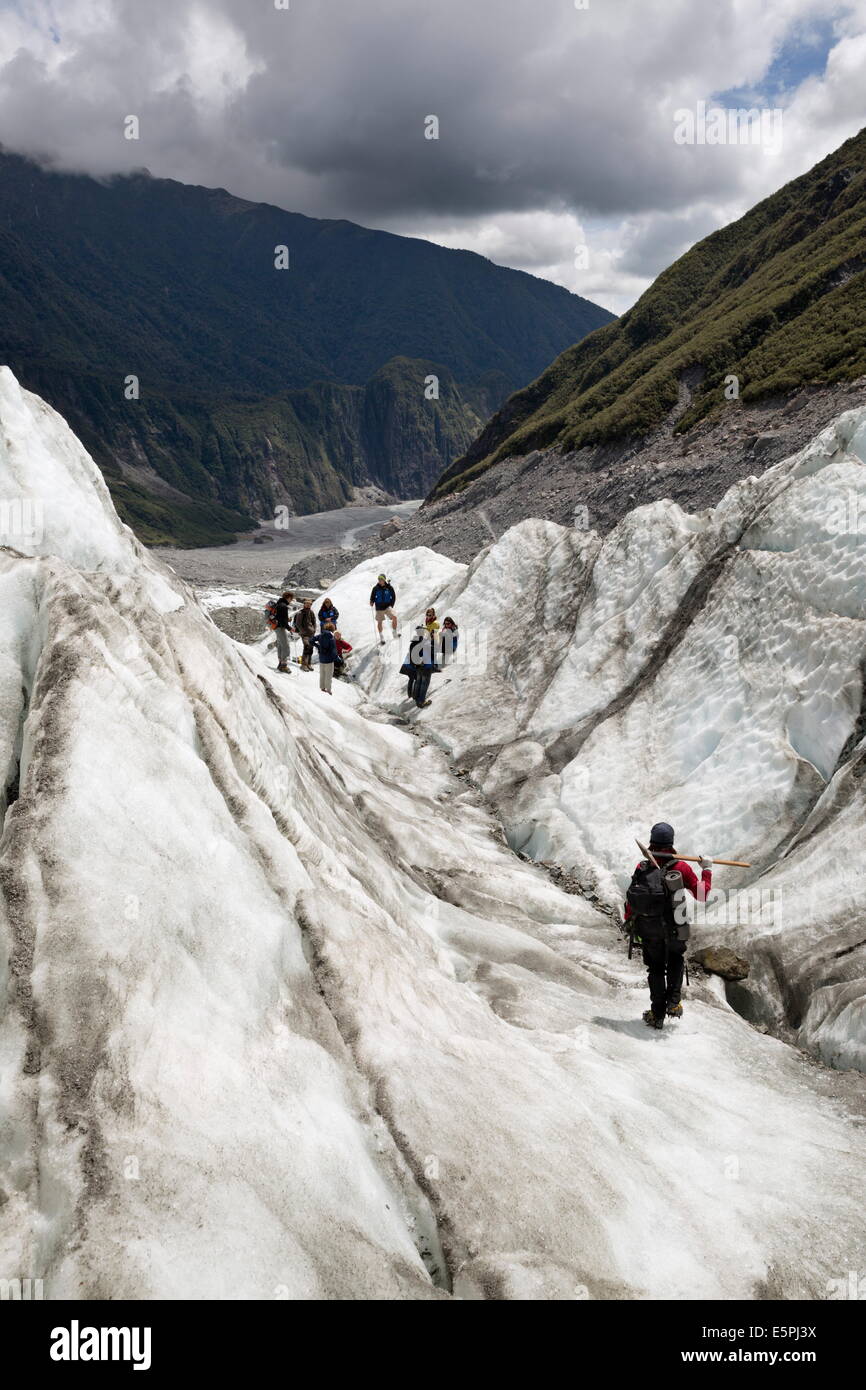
[[777, 299], [258, 387], [177, 523]]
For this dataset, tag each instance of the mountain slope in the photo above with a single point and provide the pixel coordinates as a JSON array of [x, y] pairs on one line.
[[777, 299], [177, 285], [282, 1017]]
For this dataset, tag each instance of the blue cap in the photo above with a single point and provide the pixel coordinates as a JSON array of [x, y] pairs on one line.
[[662, 835]]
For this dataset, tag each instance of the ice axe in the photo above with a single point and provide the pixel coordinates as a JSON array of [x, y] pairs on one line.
[[694, 859], [648, 854]]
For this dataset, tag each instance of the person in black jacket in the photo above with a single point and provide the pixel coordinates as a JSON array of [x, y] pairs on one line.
[[327, 645], [419, 666], [383, 596], [284, 627]]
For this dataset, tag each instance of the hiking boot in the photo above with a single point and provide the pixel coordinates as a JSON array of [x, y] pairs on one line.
[[651, 1021], [674, 1010]]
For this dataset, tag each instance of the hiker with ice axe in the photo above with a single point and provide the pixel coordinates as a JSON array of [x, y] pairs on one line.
[[656, 920]]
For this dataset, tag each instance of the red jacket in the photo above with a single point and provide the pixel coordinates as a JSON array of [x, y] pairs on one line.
[[697, 889]]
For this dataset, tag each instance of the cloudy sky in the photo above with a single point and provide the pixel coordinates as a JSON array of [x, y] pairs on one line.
[[556, 123]]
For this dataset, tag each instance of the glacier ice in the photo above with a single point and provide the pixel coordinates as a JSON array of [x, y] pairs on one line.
[[702, 670], [284, 1016]]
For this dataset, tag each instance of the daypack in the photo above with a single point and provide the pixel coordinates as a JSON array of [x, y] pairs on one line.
[[656, 897], [271, 613]]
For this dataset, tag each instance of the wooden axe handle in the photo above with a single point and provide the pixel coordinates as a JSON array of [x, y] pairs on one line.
[[729, 863], [693, 858]]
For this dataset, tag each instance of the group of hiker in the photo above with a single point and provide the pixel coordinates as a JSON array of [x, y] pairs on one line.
[[431, 649], [317, 632], [432, 646]]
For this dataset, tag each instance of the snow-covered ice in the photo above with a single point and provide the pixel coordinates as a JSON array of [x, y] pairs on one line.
[[285, 1016]]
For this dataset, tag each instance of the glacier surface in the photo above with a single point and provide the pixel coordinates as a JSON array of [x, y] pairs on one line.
[[704, 670], [283, 1014]]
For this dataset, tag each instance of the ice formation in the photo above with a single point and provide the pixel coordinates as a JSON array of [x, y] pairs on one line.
[[705, 670], [282, 1013]]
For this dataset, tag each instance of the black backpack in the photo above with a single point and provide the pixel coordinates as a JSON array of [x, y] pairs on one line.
[[656, 897]]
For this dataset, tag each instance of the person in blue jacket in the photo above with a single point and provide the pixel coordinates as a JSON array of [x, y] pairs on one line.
[[419, 666], [327, 645], [383, 596], [327, 613]]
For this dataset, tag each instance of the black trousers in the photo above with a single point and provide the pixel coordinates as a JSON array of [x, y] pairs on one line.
[[665, 963], [422, 685]]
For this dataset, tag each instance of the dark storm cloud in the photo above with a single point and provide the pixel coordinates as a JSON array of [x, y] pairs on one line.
[[539, 103], [543, 107]]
